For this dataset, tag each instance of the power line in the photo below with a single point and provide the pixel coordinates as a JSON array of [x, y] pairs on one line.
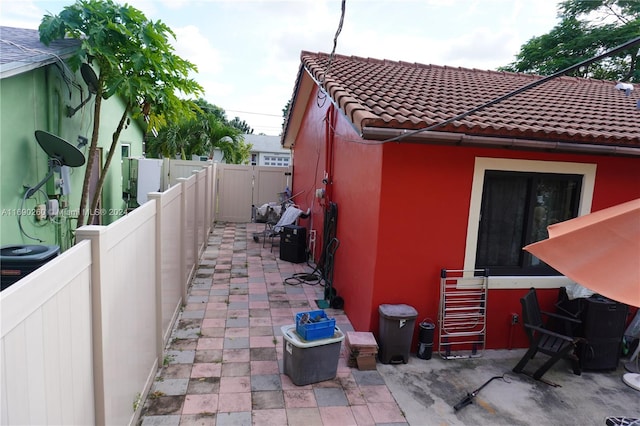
[[255, 113], [335, 43], [321, 96], [586, 62]]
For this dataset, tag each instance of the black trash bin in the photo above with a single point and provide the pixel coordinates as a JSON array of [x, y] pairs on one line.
[[397, 323], [18, 261], [293, 244], [425, 339]]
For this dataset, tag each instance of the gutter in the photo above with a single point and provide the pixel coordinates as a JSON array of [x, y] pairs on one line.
[[384, 135]]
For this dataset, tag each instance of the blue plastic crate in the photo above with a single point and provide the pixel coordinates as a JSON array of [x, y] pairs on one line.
[[319, 327]]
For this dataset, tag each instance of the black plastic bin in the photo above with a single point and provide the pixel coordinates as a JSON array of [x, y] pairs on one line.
[[397, 323], [18, 261], [425, 339], [293, 244]]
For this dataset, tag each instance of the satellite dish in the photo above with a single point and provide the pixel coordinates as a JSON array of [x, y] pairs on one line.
[[60, 152], [59, 149], [89, 76], [91, 80]]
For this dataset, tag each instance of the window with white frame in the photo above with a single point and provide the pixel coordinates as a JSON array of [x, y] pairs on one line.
[[512, 203], [125, 151], [516, 209], [274, 160]]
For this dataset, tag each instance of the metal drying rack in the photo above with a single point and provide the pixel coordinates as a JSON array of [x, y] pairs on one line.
[[462, 316]]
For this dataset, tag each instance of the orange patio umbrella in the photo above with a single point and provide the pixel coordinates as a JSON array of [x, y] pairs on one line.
[[600, 251]]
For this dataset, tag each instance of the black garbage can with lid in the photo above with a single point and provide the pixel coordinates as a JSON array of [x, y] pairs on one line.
[[397, 323], [425, 339]]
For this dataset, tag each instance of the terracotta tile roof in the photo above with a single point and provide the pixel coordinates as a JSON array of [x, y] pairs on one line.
[[402, 95]]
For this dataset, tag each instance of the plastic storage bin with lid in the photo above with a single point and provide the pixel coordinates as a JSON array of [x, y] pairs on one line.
[[307, 362]]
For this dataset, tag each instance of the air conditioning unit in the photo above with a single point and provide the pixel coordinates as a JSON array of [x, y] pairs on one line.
[[19, 260], [139, 177]]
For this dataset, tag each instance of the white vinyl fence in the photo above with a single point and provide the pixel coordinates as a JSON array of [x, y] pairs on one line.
[[82, 336], [173, 169]]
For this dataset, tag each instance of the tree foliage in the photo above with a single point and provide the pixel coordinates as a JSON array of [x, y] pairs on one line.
[[200, 134], [135, 61], [586, 29], [241, 125], [215, 110], [285, 113]]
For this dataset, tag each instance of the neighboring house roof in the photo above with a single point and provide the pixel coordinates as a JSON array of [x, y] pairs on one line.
[[265, 143], [22, 51], [378, 95]]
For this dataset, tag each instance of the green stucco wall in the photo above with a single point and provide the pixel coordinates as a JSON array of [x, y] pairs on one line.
[[38, 100]]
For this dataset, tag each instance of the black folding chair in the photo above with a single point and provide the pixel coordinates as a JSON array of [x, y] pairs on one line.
[[543, 339]]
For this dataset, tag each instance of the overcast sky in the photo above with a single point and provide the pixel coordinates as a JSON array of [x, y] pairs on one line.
[[248, 52]]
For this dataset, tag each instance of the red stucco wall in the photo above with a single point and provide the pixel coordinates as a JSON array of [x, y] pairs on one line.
[[403, 213], [327, 143], [423, 224]]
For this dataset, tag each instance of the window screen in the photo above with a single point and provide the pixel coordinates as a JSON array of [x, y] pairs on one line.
[[516, 209]]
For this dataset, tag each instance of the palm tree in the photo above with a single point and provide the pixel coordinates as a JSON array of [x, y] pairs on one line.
[[200, 135], [229, 140]]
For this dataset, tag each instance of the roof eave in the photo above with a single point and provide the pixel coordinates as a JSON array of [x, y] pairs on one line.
[[19, 67], [381, 134], [301, 94]]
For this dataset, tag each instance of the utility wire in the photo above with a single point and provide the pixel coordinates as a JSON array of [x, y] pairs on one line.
[[321, 98], [255, 113], [22, 209], [531, 85], [69, 79], [335, 43]]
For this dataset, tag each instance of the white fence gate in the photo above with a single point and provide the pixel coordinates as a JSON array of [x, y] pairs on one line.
[[239, 187]]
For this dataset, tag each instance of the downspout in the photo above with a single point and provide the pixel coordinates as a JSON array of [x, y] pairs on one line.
[[381, 135]]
